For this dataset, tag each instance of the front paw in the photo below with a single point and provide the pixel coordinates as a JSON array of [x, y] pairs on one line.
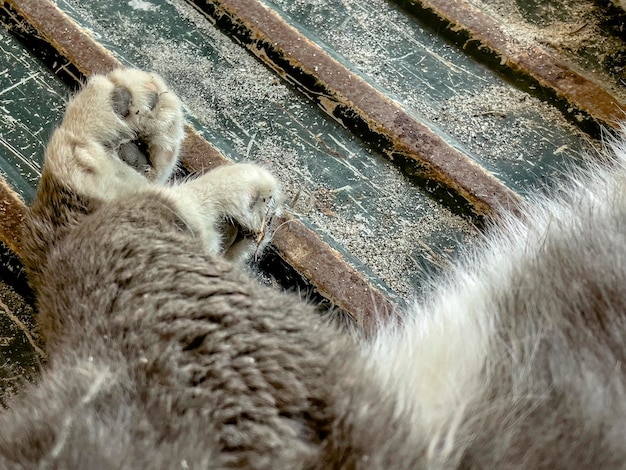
[[154, 113], [248, 229], [248, 198], [253, 196], [133, 117]]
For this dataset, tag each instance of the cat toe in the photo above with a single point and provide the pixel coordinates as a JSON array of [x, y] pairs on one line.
[[120, 100]]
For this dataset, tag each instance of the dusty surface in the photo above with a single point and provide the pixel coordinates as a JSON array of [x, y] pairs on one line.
[[517, 136], [354, 198], [587, 34], [20, 347]]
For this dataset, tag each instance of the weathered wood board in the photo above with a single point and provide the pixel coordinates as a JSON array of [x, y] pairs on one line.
[[359, 202], [32, 99], [351, 194]]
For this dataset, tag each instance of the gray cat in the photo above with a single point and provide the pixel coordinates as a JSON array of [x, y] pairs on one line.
[[163, 354]]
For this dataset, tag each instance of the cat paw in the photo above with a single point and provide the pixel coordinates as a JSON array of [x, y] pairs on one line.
[[249, 218], [241, 200], [154, 114], [134, 118], [255, 196]]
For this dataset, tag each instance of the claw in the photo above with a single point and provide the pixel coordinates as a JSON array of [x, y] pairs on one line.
[[267, 219]]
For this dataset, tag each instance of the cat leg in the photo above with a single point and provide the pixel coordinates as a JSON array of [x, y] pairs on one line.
[[232, 205], [121, 132]]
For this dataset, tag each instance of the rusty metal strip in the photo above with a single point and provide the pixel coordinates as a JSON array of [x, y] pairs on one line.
[[532, 60], [62, 33], [12, 213], [354, 103], [335, 280], [299, 246]]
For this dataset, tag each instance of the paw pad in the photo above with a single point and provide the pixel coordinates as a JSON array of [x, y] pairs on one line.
[[132, 154], [121, 99]]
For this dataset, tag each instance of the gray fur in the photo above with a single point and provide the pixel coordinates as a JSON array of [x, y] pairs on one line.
[[163, 355], [185, 340]]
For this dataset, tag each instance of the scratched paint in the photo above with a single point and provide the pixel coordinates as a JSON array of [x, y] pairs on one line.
[[354, 198], [31, 102], [519, 138], [357, 201]]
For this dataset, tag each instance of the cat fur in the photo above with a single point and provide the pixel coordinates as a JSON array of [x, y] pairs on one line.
[[164, 354]]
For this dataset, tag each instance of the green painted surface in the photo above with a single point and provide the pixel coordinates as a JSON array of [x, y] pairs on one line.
[[360, 203], [31, 102], [514, 135]]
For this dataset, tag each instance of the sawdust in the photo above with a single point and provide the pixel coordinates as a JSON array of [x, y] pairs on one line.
[[368, 207], [395, 235]]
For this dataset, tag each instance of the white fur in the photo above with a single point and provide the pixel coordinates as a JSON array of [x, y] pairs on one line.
[[244, 192], [440, 359]]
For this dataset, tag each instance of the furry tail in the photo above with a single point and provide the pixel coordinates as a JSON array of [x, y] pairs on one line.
[[518, 359]]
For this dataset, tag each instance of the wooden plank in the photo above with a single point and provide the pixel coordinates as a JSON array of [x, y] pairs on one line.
[[30, 100], [382, 223], [503, 121], [521, 143]]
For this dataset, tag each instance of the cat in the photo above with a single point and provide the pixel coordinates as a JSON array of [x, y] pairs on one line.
[[165, 354]]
